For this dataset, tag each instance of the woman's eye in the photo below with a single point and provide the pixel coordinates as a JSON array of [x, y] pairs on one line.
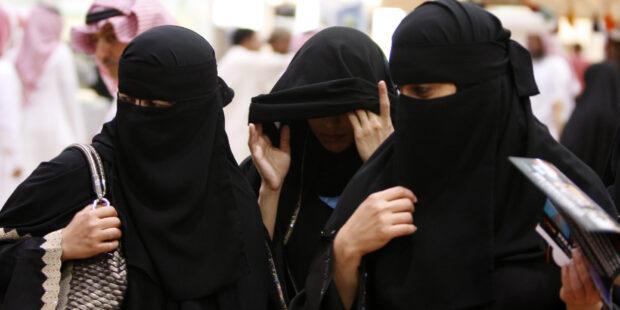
[[422, 91]]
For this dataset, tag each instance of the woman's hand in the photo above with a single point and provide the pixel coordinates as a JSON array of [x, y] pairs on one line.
[[578, 290], [370, 129], [272, 163], [90, 233], [382, 217]]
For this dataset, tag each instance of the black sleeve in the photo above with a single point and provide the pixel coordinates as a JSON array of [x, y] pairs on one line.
[[47, 200], [30, 272], [251, 174], [30, 230], [321, 292]]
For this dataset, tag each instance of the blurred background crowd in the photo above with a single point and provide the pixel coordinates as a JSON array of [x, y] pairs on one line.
[[57, 89]]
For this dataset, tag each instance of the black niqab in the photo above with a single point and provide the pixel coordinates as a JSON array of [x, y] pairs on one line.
[[590, 131], [475, 213], [172, 163]]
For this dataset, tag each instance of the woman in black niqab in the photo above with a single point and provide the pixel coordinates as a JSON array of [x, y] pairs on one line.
[[475, 246], [191, 228], [334, 74], [590, 131]]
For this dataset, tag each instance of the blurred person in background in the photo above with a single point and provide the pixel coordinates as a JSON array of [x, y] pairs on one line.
[[110, 26], [612, 48], [556, 82], [250, 72], [590, 131], [52, 118], [579, 64], [280, 41], [10, 114], [300, 39]]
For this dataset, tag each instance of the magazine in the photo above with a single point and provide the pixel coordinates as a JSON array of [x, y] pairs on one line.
[[572, 219]]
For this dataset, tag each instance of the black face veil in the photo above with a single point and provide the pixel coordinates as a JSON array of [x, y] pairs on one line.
[[174, 166]]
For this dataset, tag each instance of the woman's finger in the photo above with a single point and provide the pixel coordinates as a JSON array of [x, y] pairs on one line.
[[355, 122], [401, 230], [363, 117], [254, 142], [401, 218], [401, 205], [252, 136], [109, 222], [375, 120], [582, 271], [285, 139], [578, 287], [107, 246], [110, 234], [566, 293], [384, 101]]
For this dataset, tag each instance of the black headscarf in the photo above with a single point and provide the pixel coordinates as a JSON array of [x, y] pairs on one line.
[[335, 72], [173, 164], [475, 212], [590, 130]]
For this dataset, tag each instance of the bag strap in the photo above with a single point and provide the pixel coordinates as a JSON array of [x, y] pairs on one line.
[[97, 172]]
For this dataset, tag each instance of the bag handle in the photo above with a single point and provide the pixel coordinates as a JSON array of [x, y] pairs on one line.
[[96, 171]]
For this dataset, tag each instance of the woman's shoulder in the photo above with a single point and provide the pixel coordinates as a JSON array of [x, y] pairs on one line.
[[70, 161]]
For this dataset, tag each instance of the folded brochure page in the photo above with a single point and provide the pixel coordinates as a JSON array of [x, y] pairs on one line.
[[572, 219]]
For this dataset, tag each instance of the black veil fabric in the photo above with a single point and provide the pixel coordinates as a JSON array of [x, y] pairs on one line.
[[192, 234], [173, 164], [591, 128], [475, 245], [335, 72]]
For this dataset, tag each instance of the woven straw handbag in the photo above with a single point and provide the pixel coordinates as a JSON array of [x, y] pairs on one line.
[[98, 282]]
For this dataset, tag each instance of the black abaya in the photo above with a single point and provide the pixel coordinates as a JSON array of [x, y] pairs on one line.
[[475, 246], [192, 235]]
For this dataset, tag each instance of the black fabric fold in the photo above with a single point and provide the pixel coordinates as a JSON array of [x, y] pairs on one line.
[[326, 79], [316, 100]]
